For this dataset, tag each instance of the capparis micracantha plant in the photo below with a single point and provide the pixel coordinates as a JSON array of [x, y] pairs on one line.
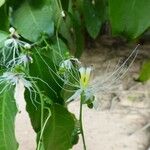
[[37, 50], [67, 79]]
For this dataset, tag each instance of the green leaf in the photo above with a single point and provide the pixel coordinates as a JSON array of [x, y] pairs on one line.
[[78, 29], [3, 35], [145, 72], [32, 23], [59, 129], [129, 17], [4, 20], [93, 16], [8, 112], [71, 28], [34, 112], [2, 2], [39, 69]]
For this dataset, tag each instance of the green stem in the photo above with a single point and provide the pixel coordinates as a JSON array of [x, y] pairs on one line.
[[80, 120], [42, 130], [42, 116]]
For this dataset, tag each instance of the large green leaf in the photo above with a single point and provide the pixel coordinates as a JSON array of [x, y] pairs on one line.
[[34, 112], [59, 129], [78, 29], [40, 70], [7, 116], [94, 15], [32, 22], [145, 72], [129, 17], [71, 28]]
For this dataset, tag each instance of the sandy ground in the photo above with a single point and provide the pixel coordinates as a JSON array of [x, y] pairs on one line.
[[120, 123]]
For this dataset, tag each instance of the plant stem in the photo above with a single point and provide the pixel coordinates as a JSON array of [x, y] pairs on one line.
[[42, 116], [42, 130], [81, 125]]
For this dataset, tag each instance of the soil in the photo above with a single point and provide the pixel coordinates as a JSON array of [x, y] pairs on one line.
[[122, 119]]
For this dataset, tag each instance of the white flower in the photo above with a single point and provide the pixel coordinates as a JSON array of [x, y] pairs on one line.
[[9, 79], [12, 46], [23, 59], [77, 80], [106, 84], [84, 80], [68, 63], [85, 74], [9, 43], [14, 78]]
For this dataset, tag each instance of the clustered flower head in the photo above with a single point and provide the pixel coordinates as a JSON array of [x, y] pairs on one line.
[[15, 51], [12, 78], [16, 57], [71, 71], [13, 46], [68, 64], [23, 59]]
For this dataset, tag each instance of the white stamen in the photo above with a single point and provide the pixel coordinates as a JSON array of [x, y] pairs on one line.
[[23, 59], [9, 42], [12, 48]]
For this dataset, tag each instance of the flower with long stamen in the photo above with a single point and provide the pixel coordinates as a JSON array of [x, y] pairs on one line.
[[104, 85], [81, 78], [67, 65], [55, 72], [22, 59], [12, 46], [10, 79]]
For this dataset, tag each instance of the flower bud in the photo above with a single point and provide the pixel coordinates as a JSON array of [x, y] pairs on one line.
[[27, 46], [63, 14], [11, 30]]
